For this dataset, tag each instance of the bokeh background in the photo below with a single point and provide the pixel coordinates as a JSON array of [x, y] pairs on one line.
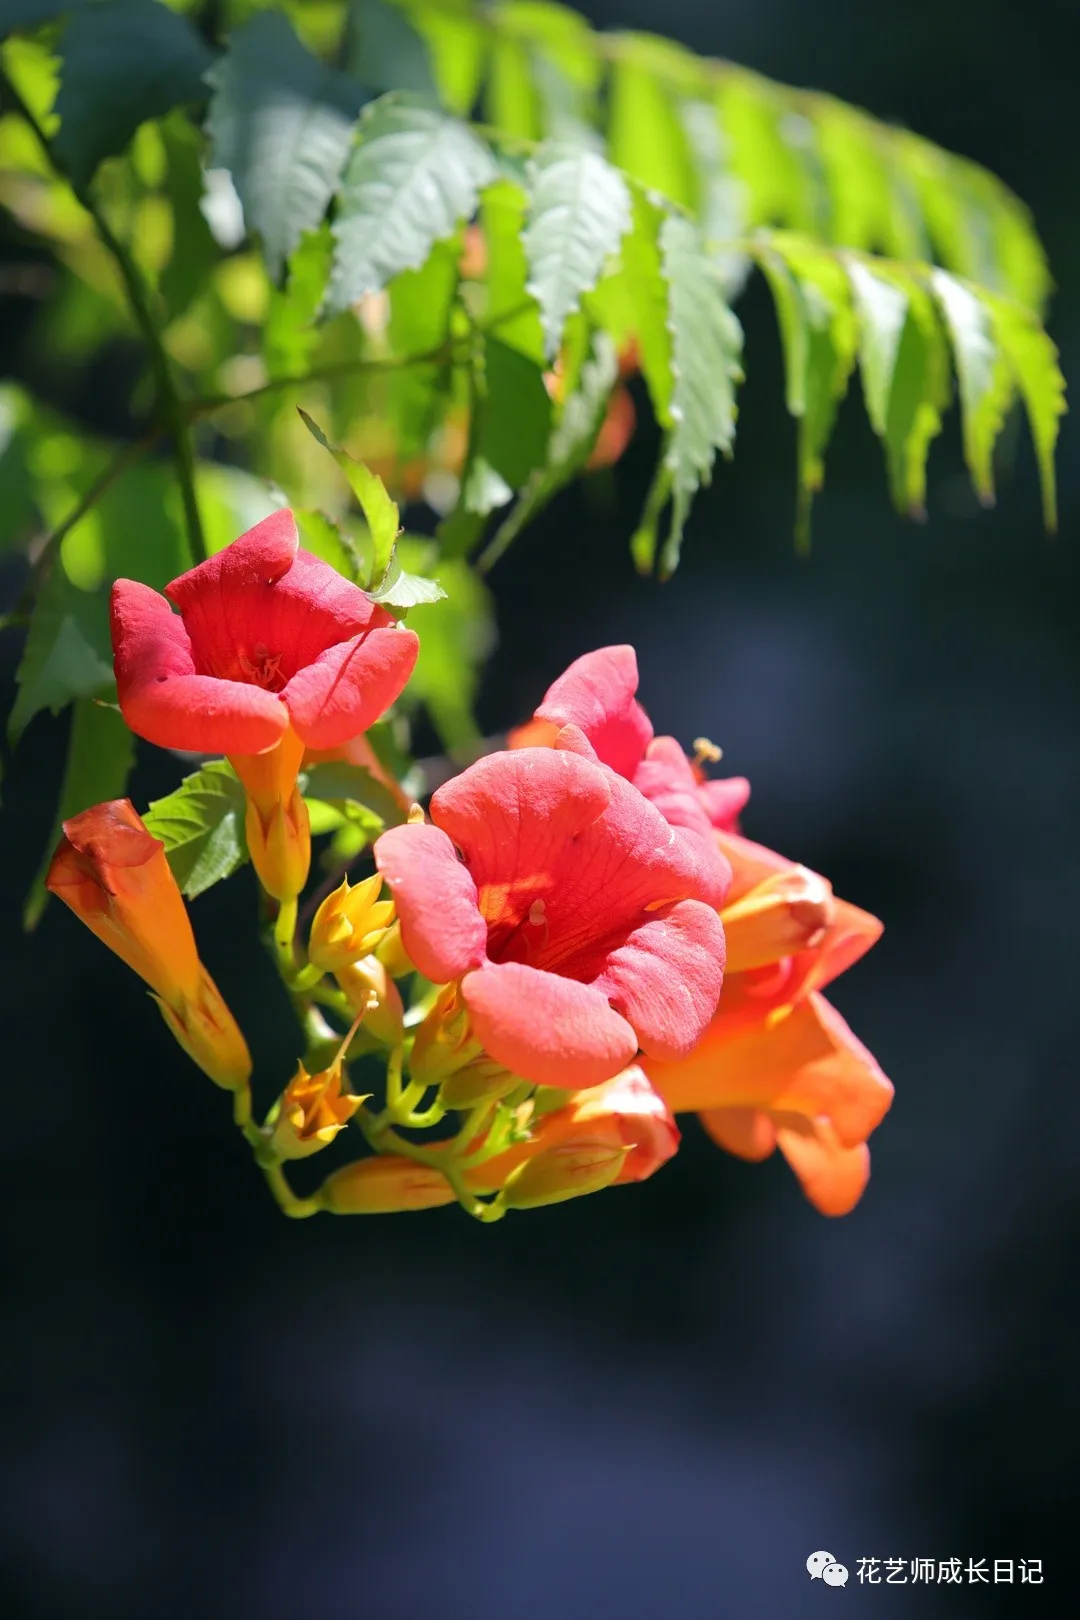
[[658, 1402]]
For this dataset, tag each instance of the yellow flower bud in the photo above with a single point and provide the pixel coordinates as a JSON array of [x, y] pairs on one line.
[[313, 1109], [349, 924], [391, 953], [383, 1185], [567, 1171], [372, 992], [276, 824], [447, 1054]]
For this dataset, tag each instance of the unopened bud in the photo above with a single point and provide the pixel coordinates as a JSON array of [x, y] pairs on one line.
[[787, 913], [208, 1032], [567, 1171], [392, 954], [383, 1185], [372, 992], [279, 843], [482, 1080], [349, 924]]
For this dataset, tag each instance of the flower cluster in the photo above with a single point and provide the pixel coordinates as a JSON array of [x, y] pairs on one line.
[[536, 963]]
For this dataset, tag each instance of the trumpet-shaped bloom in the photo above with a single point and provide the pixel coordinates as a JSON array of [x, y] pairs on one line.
[[778, 1066], [598, 695], [579, 926], [271, 652], [311, 1111], [113, 875]]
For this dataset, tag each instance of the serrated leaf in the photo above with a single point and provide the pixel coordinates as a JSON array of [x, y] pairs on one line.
[[124, 61], [380, 512], [706, 345], [63, 657], [985, 378], [768, 145], [820, 340], [414, 174], [201, 825], [282, 123], [1032, 358], [905, 373], [100, 754], [401, 590], [578, 215], [631, 303]]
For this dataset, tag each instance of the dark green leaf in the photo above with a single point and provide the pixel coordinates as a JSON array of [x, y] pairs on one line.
[[414, 175], [24, 16], [578, 215], [124, 61], [282, 123], [202, 827], [67, 653], [101, 752], [194, 250], [385, 51]]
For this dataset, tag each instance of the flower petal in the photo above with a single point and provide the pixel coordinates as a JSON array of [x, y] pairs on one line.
[[549, 1030], [161, 696], [747, 1132], [806, 1062], [789, 912], [597, 694], [832, 1176], [665, 978], [849, 936], [441, 925], [261, 609], [349, 686], [725, 799], [666, 777]]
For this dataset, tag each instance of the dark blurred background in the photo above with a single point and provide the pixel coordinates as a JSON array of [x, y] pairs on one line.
[[660, 1401]]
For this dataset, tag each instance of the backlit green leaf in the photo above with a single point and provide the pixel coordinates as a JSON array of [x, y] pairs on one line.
[[201, 825], [579, 213]]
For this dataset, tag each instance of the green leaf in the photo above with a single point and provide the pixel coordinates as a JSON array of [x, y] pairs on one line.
[[101, 752], [401, 590], [706, 341], [385, 50], [985, 377], [24, 16], [421, 305], [1032, 359], [512, 312], [511, 99], [64, 656], [768, 145], [646, 138], [820, 339], [282, 123], [380, 512], [324, 538], [201, 825], [290, 336], [456, 637], [17, 430], [194, 250], [905, 373], [572, 440], [342, 782], [631, 303], [579, 213], [457, 48], [124, 61], [415, 173]]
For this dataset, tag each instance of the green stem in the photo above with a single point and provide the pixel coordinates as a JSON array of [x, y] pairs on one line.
[[298, 1209]]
